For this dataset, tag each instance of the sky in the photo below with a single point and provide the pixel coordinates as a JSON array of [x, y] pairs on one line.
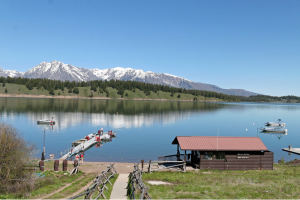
[[250, 44]]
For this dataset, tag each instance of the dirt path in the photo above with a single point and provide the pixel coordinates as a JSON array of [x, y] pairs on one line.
[[81, 190], [67, 185]]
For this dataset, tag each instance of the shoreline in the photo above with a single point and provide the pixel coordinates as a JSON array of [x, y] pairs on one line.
[[98, 98]]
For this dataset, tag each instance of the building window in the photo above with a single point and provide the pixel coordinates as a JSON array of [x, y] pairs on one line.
[[198, 154], [208, 155], [220, 155]]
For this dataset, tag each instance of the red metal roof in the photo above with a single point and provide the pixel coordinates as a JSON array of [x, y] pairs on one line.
[[213, 143]]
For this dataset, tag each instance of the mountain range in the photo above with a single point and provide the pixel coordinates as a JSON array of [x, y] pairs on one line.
[[60, 71]]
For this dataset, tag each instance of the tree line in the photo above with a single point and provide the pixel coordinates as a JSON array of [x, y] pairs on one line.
[[121, 86]]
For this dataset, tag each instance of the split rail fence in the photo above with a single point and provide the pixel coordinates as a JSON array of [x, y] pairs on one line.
[[99, 184], [136, 182], [170, 165]]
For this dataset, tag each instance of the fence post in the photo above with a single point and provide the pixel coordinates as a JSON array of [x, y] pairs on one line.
[[142, 161], [184, 166], [65, 165], [41, 165], [56, 164], [149, 168]]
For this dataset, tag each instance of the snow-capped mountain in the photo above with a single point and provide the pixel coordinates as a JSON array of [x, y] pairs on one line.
[[11, 73], [60, 71]]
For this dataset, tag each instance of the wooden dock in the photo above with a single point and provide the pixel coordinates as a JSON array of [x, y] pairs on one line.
[[82, 145], [292, 150]]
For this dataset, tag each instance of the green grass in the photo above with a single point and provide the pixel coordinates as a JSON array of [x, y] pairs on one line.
[[85, 92], [78, 185], [52, 182], [281, 183]]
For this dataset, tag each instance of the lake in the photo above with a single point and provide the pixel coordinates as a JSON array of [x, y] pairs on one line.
[[145, 129]]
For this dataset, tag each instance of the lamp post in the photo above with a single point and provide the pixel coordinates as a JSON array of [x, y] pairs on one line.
[[44, 148]]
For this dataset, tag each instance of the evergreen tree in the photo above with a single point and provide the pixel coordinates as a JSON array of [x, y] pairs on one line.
[[70, 90], [179, 96], [5, 90], [51, 91], [3, 85], [76, 90]]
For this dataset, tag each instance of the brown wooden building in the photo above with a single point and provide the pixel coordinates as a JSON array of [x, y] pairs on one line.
[[225, 153]]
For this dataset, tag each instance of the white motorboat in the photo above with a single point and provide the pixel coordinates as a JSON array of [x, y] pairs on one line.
[[278, 123], [45, 121], [274, 130]]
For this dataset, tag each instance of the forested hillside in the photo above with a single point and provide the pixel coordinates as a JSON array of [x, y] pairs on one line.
[[122, 89]]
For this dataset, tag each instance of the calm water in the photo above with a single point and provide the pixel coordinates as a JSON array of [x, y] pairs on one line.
[[146, 129]]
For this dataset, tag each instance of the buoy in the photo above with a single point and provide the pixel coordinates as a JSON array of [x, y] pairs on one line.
[[246, 129], [253, 123]]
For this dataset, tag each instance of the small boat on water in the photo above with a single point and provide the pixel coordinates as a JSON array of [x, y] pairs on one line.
[[45, 121], [278, 123], [274, 130]]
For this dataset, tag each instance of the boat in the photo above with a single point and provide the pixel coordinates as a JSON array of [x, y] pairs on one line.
[[274, 130], [278, 123], [45, 121]]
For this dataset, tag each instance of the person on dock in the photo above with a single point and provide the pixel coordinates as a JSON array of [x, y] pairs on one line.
[[77, 157], [81, 157]]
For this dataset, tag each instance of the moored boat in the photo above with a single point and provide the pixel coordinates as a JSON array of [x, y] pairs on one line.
[[278, 123], [274, 130], [45, 121]]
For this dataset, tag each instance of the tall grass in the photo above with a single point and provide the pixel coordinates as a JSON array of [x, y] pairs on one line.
[[281, 183]]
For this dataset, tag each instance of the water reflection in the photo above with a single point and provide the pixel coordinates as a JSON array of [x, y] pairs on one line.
[[145, 128], [113, 113], [278, 135]]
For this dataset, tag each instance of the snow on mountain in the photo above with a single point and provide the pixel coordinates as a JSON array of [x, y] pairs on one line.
[[60, 71], [11, 73]]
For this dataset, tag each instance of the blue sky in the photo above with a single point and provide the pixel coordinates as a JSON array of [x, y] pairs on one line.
[[252, 45]]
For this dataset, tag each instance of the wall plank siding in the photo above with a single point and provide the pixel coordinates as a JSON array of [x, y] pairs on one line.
[[238, 161]]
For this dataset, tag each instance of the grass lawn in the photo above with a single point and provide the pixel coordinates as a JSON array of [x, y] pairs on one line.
[[76, 186], [52, 182], [281, 183]]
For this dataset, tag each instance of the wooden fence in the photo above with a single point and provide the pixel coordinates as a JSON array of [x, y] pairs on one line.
[[99, 184], [136, 182], [170, 165]]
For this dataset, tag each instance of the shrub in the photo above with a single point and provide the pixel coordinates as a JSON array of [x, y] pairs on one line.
[[76, 90], [281, 161], [51, 91], [15, 152], [5, 90]]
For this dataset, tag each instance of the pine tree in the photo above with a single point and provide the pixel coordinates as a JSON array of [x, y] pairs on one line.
[[51, 91], [5, 90]]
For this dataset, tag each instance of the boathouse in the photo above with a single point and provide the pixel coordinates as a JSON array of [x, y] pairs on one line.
[[224, 153]]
